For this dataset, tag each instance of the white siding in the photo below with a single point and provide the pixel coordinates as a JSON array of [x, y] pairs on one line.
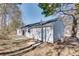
[[36, 33], [28, 34], [19, 32], [49, 34]]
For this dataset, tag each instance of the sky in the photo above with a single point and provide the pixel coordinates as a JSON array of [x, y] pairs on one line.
[[31, 13]]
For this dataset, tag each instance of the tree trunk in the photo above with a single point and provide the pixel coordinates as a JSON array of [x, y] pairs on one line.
[[74, 27]]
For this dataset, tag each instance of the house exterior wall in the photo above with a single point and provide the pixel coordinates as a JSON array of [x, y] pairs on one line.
[[28, 34], [36, 33], [19, 32], [47, 34], [58, 30], [50, 34]]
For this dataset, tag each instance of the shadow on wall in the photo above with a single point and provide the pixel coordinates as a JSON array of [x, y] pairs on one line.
[[58, 30]]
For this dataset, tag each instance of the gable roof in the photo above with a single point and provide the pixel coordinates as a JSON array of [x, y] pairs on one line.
[[40, 23]]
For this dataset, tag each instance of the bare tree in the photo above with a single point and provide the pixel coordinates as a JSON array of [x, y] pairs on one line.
[[8, 13]]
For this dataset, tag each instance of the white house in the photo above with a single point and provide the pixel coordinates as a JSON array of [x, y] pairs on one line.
[[48, 31]]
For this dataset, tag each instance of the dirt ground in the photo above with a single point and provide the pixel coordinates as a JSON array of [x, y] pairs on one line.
[[45, 49], [10, 45]]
